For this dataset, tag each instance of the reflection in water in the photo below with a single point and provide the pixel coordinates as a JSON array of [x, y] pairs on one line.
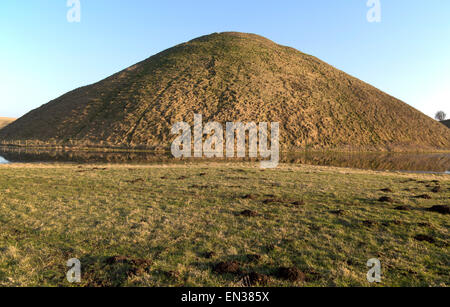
[[417, 162]]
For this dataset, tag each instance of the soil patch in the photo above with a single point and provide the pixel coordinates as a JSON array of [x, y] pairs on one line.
[[229, 267], [249, 213], [386, 199], [255, 279], [426, 238], [443, 209], [291, 274]]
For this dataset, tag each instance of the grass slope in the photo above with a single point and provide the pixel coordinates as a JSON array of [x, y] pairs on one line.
[[171, 225], [233, 77]]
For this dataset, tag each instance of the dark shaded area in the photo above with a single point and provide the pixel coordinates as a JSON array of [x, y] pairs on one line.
[[291, 274], [254, 257], [403, 208], [424, 238], [440, 209], [230, 267], [249, 213], [386, 199], [112, 271], [255, 279]]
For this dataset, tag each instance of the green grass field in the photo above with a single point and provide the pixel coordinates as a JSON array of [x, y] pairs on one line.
[[170, 225]]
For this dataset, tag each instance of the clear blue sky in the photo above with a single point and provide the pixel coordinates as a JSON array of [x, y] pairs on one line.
[[42, 55]]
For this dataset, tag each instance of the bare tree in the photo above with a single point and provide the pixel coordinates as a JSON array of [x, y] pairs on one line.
[[440, 116]]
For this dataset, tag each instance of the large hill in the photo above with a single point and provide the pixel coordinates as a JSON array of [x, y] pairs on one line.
[[233, 77]]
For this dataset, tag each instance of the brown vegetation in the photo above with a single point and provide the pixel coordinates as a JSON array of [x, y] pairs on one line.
[[232, 77]]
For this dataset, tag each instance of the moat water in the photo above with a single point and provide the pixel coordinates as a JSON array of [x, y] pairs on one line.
[[409, 162]]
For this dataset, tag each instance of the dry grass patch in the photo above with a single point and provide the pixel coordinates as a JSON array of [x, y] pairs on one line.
[[129, 227]]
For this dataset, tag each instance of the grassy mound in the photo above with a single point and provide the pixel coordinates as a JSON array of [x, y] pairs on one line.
[[233, 77]]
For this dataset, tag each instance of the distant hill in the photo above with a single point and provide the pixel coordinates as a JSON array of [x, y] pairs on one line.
[[233, 77], [4, 121], [446, 122]]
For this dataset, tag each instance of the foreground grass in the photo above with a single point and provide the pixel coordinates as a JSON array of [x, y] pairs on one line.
[[169, 225]]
